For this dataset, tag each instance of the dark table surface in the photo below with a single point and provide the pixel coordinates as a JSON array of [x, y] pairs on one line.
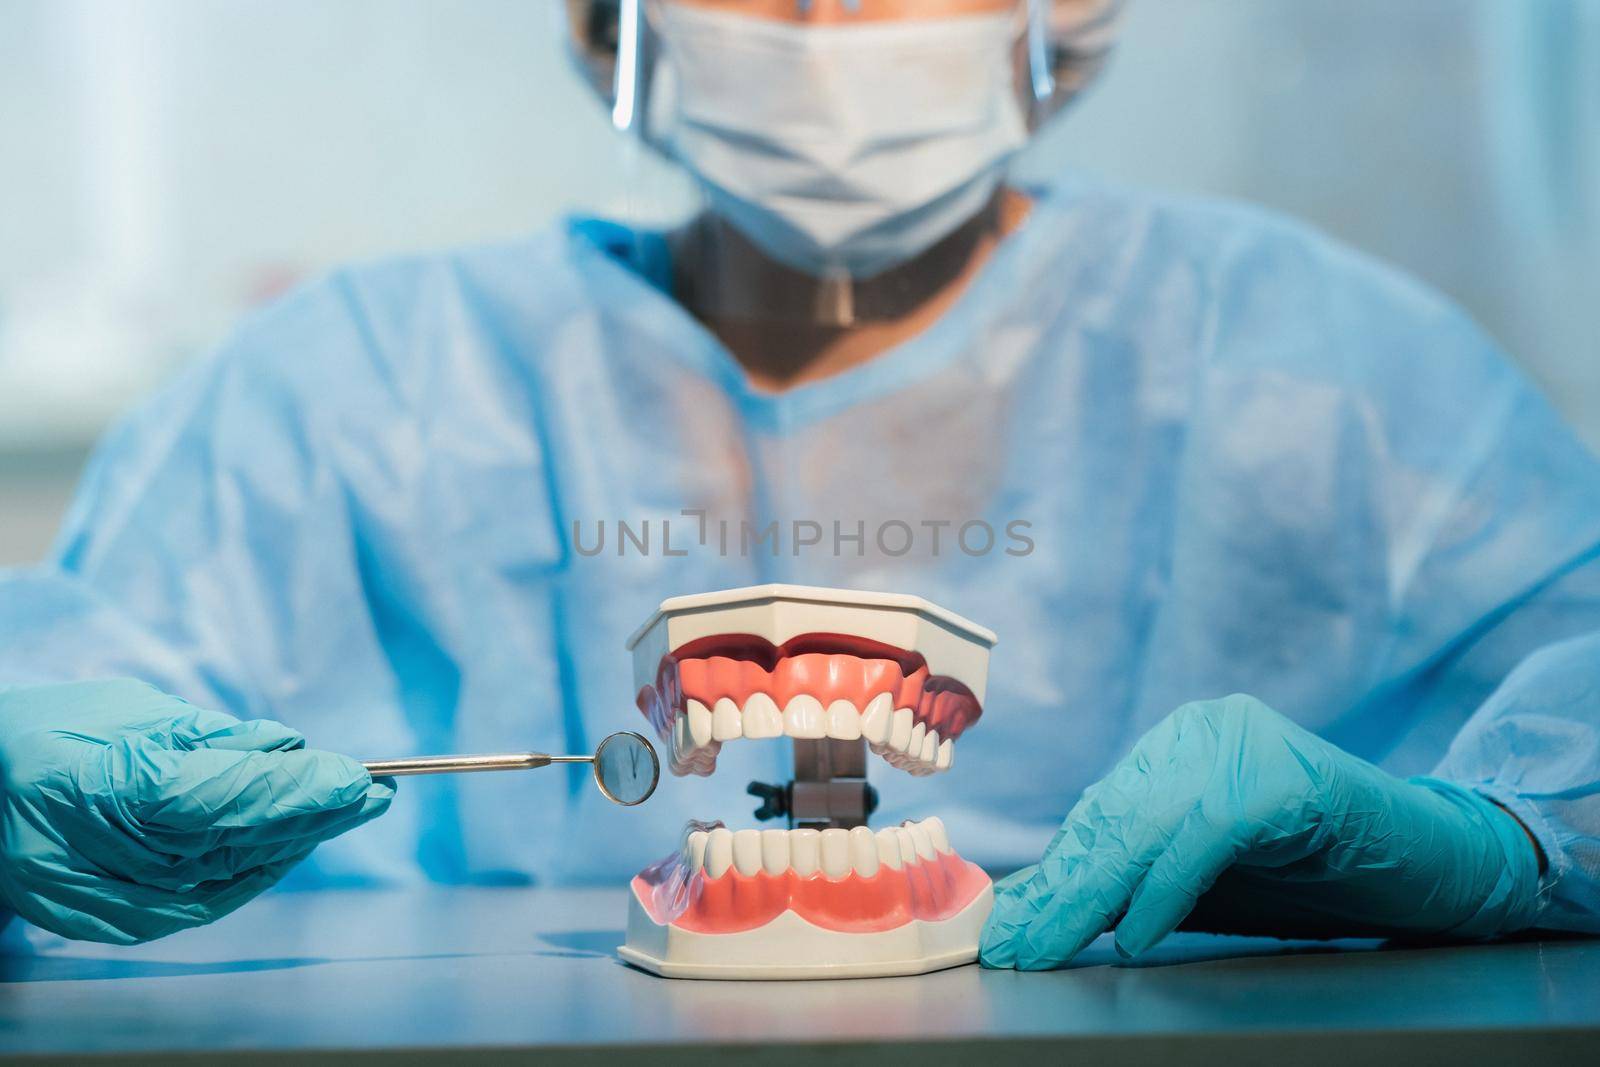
[[530, 975]]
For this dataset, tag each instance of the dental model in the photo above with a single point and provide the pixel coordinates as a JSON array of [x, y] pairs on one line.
[[839, 672]]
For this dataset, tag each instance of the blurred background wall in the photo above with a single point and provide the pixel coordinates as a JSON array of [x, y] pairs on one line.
[[167, 164]]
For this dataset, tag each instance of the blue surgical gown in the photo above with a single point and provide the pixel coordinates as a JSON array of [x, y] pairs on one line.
[[1249, 460]]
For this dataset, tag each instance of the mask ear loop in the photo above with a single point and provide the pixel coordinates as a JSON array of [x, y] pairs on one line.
[[630, 91], [630, 117], [1041, 65]]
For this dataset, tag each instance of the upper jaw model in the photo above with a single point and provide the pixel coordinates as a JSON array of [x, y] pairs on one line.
[[838, 672]]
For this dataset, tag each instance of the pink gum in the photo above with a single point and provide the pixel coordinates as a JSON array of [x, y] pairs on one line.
[[930, 890], [826, 677], [829, 677]]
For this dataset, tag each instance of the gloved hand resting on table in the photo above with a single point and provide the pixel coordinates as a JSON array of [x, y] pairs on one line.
[[127, 814], [1233, 818]]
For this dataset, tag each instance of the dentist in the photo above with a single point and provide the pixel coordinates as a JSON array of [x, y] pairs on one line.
[[1252, 461]]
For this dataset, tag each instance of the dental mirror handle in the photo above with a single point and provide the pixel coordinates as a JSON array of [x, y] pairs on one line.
[[511, 761], [626, 768]]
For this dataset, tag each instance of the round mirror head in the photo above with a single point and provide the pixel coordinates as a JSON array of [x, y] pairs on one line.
[[626, 769]]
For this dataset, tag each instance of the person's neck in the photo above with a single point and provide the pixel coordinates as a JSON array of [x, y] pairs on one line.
[[787, 328]]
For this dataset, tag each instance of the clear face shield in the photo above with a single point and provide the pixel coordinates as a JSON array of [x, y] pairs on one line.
[[850, 155]]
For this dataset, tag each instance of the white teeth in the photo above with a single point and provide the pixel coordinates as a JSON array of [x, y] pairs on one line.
[[726, 724], [694, 850], [805, 851], [864, 851], [719, 852], [877, 719], [698, 732], [687, 757], [775, 851], [836, 853], [888, 848], [921, 755], [699, 724], [900, 732], [908, 847], [844, 721], [804, 718], [905, 743], [762, 719], [936, 833], [693, 750], [897, 736], [747, 851]]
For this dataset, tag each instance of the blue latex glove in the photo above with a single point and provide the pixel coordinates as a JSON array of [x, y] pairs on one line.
[[1233, 817], [126, 814]]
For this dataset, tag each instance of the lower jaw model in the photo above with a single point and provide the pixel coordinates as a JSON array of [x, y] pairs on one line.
[[839, 672]]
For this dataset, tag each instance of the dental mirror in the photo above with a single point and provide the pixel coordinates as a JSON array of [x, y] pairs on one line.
[[626, 768]]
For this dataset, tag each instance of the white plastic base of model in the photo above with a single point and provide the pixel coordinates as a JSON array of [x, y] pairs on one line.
[[789, 947]]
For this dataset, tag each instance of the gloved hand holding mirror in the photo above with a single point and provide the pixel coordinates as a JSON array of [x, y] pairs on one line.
[[127, 814]]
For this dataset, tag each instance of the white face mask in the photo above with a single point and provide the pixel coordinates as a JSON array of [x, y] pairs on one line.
[[842, 148]]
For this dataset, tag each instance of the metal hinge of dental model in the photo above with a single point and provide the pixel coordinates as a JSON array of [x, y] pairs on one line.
[[829, 789]]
